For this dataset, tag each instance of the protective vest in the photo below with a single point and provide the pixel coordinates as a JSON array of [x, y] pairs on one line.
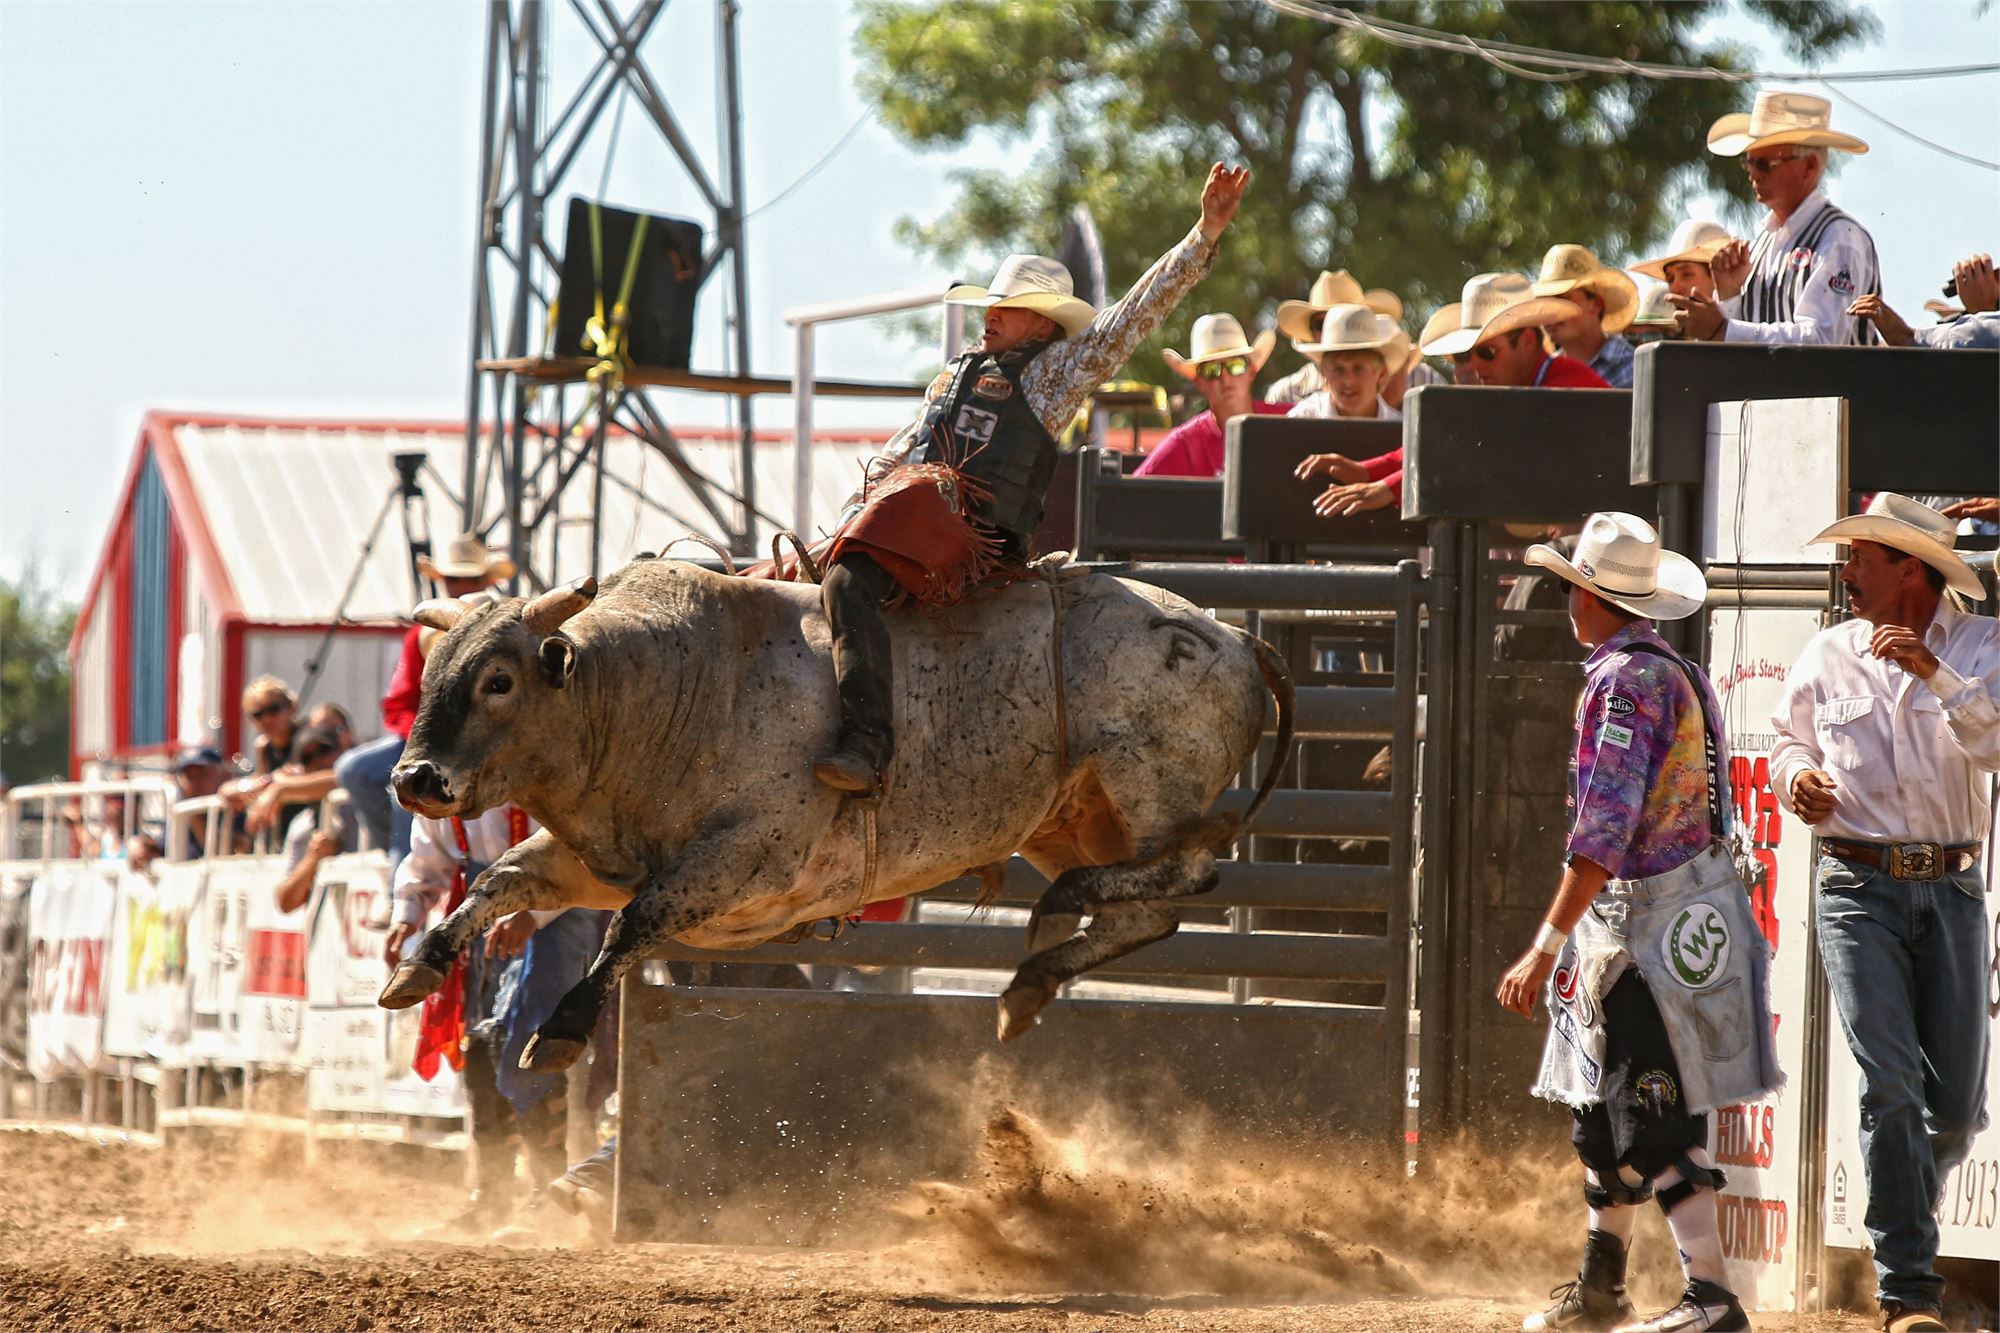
[[981, 425]]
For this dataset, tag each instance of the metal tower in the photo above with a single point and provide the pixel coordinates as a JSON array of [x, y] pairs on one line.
[[533, 424]]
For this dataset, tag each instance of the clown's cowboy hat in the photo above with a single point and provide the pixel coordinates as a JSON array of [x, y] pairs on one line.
[[1777, 119], [1218, 338], [1295, 318], [1357, 328], [1695, 241], [1493, 304], [1570, 268], [1030, 282], [1619, 557], [466, 557], [1915, 529]]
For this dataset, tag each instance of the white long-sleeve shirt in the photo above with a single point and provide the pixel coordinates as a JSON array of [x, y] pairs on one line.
[[1804, 273], [1909, 757], [423, 879]]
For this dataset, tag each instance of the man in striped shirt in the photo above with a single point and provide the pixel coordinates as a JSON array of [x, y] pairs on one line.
[[1795, 280]]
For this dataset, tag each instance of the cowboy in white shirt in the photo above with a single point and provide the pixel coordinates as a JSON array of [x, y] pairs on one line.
[[1888, 734], [1809, 261]]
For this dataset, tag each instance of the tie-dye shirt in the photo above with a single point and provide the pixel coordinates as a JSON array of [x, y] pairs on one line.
[[1639, 777]]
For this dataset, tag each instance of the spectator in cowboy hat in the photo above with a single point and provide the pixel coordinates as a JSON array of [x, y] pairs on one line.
[[1298, 321], [1222, 365], [465, 567], [1355, 348], [1499, 338], [1606, 301], [1684, 267], [1445, 321], [1888, 738], [1808, 262]]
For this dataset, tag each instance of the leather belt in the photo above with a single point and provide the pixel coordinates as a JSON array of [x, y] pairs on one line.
[[1914, 861]]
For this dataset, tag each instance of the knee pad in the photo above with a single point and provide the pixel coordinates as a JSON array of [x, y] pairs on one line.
[[1692, 1180], [1612, 1190]]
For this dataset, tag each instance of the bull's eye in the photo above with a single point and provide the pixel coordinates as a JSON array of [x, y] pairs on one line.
[[499, 683]]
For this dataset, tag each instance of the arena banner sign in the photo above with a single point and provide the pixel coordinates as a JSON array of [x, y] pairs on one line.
[[247, 962], [1759, 1144], [359, 1052], [146, 1006], [70, 911], [1968, 1210]]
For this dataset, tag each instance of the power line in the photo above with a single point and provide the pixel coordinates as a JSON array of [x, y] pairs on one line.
[[1572, 65], [1909, 134]]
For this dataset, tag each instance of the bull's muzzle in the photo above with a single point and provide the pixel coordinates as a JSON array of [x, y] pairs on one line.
[[420, 786]]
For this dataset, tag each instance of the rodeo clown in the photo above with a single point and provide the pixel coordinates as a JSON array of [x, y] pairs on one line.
[[1658, 1006], [958, 494]]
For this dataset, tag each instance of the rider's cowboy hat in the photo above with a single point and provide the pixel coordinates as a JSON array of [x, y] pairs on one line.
[[1295, 318], [1619, 557], [1357, 328], [1695, 241], [1570, 268], [1493, 304], [1915, 529], [466, 557], [1030, 282], [1217, 338], [1779, 118]]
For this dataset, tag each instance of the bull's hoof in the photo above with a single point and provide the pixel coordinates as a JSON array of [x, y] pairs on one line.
[[1020, 1005], [1047, 930], [550, 1055], [410, 982]]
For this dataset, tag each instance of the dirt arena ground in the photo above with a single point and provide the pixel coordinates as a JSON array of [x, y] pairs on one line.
[[1050, 1235]]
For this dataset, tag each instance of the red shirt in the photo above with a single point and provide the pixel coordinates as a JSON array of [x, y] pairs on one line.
[[1194, 448], [1566, 372], [399, 705]]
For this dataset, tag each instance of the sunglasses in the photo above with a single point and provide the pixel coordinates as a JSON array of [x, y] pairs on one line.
[[1764, 165], [1215, 370], [1485, 352], [268, 710]]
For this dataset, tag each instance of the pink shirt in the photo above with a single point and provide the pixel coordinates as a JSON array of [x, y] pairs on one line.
[[1194, 448]]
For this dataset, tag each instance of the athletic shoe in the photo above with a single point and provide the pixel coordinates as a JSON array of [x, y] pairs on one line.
[[1705, 1307]]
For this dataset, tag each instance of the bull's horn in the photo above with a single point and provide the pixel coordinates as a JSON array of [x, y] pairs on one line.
[[439, 612], [546, 613]]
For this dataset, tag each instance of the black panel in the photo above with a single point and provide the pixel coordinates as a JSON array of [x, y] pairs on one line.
[[1518, 455], [1263, 502], [1918, 421], [660, 311]]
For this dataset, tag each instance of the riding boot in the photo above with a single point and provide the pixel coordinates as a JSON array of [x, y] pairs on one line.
[[863, 668]]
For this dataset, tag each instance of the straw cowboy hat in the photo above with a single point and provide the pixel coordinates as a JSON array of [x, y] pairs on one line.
[[1695, 241], [1570, 268], [1444, 321], [1030, 282], [1619, 557], [1493, 304], [1913, 528], [466, 557], [1217, 338], [1356, 328], [1780, 118], [1295, 318]]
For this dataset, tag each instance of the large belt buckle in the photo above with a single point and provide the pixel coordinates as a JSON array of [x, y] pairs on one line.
[[1918, 861]]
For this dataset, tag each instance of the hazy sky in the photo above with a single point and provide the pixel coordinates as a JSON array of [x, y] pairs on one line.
[[269, 209]]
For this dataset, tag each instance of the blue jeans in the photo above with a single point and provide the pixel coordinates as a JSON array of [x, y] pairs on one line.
[[1907, 965], [363, 773]]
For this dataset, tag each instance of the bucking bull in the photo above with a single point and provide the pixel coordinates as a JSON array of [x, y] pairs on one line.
[[659, 728]]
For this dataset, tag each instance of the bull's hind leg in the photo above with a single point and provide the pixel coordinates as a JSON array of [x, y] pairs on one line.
[[1126, 909], [537, 875]]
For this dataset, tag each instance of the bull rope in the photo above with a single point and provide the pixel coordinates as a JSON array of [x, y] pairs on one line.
[[1050, 569]]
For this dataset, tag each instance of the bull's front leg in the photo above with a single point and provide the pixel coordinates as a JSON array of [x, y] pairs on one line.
[[713, 874], [538, 874]]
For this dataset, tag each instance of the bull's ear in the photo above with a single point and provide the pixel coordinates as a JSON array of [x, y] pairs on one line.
[[439, 612], [557, 656], [546, 613]]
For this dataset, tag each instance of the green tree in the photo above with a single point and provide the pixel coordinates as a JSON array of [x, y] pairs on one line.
[[35, 627], [1415, 169]]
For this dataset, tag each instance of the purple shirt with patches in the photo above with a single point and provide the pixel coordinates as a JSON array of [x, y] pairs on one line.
[[1639, 803]]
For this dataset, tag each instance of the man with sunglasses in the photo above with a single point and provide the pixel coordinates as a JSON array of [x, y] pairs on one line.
[[1222, 364], [1809, 261], [1499, 337]]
